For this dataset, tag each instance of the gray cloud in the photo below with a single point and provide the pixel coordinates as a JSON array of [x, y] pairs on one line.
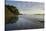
[[25, 7]]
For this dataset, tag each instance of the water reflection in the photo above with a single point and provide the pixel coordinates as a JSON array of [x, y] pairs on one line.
[[26, 22], [12, 20]]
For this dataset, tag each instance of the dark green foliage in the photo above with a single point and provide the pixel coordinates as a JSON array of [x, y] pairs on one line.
[[13, 9], [11, 14]]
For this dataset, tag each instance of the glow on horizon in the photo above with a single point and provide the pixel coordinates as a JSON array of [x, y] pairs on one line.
[[32, 12]]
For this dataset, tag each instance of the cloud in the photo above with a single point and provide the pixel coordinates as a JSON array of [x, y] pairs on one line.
[[28, 7]]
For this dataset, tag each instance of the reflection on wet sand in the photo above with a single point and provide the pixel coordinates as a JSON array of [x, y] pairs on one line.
[[26, 22], [12, 20]]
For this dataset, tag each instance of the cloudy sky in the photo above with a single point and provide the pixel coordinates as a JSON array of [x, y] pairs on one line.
[[28, 7]]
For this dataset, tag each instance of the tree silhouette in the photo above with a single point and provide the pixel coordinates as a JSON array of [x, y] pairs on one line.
[[11, 10]]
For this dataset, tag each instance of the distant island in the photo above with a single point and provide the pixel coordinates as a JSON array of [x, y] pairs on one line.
[[38, 14]]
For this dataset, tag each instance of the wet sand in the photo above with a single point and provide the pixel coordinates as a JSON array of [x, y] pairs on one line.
[[27, 22]]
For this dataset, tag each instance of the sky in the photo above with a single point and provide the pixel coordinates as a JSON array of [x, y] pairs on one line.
[[28, 7]]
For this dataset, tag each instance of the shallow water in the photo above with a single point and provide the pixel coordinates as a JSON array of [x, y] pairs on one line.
[[27, 22]]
